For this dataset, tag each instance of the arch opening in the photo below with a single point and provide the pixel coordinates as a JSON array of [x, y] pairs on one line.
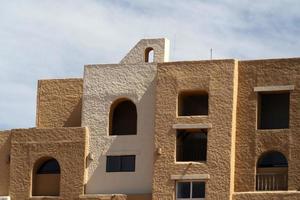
[[272, 172], [123, 118], [46, 177], [149, 55]]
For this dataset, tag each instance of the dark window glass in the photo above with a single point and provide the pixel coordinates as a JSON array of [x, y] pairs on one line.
[[274, 111], [183, 189], [192, 104], [191, 146], [273, 159], [120, 163], [113, 164], [49, 167], [198, 190], [124, 119]]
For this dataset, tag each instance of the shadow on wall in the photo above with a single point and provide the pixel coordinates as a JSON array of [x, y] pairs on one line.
[[74, 119], [143, 149]]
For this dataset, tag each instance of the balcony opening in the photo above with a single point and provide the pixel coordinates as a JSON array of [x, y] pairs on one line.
[[273, 110], [123, 118], [272, 172], [46, 177], [192, 103], [149, 55], [191, 145]]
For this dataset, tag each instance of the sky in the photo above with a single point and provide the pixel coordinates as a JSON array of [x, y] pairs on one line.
[[55, 39]]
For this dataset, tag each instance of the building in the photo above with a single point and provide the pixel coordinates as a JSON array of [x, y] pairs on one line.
[[147, 128]]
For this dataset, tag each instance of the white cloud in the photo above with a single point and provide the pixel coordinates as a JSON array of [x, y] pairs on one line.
[[54, 39]]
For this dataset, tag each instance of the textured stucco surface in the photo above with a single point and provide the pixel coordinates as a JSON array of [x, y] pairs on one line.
[[137, 53], [103, 84], [4, 162], [250, 142], [103, 197], [59, 103], [282, 195], [218, 79], [66, 145]]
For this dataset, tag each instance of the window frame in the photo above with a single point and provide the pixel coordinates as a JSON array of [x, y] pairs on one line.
[[191, 189], [120, 169], [259, 110]]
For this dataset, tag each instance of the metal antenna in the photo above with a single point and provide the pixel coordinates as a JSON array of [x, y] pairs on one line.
[[211, 53]]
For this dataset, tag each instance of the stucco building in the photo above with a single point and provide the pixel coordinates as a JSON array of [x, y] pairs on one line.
[[148, 128]]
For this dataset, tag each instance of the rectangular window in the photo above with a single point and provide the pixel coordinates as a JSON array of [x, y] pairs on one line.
[[120, 163], [190, 190], [191, 145], [192, 103], [273, 110]]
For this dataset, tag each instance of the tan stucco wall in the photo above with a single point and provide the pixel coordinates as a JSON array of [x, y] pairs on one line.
[[218, 79], [66, 145], [59, 103], [251, 143], [4, 162], [139, 197], [282, 195]]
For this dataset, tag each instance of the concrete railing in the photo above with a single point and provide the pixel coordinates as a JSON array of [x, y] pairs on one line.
[[271, 182]]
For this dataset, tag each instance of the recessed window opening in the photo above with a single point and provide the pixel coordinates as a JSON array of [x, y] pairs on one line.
[[46, 177], [190, 190], [123, 118], [191, 145], [192, 103], [149, 55], [272, 172], [273, 110], [120, 163]]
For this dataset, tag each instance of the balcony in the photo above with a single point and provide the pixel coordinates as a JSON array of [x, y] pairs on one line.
[[271, 181]]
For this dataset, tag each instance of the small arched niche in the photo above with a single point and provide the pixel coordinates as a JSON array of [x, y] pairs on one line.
[[149, 55], [46, 177], [123, 118], [272, 172]]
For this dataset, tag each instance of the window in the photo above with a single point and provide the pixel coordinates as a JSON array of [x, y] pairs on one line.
[[273, 110], [272, 172], [46, 177], [191, 145], [192, 103], [149, 55], [120, 163], [190, 190], [123, 118]]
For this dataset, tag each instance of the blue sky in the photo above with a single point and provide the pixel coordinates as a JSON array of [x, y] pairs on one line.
[[54, 38]]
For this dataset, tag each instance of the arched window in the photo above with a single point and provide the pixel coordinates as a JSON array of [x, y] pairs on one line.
[[123, 118], [46, 177], [149, 55], [272, 172]]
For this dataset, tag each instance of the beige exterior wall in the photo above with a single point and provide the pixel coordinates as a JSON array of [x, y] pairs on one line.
[[250, 142], [4, 162], [281, 195], [66, 145], [59, 103], [218, 78], [103, 85]]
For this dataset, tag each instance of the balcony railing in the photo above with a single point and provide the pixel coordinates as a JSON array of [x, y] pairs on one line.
[[271, 182]]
